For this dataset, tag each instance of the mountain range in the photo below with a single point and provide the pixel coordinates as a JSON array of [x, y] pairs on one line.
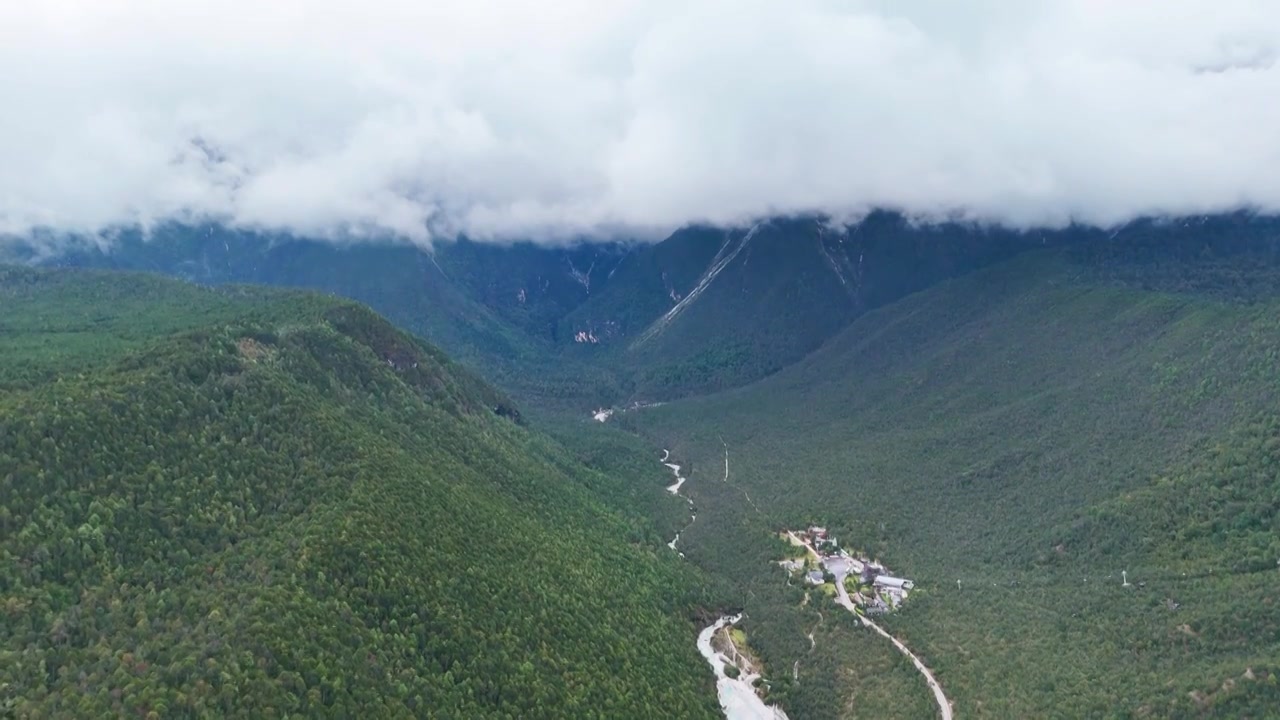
[[703, 310], [1021, 420]]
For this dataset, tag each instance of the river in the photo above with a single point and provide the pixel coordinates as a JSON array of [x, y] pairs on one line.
[[674, 489], [737, 697]]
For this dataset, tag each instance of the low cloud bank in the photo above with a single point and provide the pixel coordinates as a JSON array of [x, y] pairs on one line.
[[506, 120]]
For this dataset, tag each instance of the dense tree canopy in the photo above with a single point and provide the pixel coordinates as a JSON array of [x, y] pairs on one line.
[[291, 508], [1039, 431]]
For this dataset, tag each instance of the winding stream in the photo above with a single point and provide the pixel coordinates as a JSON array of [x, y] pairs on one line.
[[737, 696], [674, 489]]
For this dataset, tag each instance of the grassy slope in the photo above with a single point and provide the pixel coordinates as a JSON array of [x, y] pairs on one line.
[[290, 507], [1002, 429]]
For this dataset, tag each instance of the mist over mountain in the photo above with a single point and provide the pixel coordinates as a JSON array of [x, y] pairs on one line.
[[810, 360], [705, 309], [551, 121]]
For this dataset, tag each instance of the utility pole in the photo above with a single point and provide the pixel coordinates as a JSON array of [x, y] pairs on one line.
[[1125, 574]]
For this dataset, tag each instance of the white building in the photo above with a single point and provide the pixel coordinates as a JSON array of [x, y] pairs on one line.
[[889, 582]]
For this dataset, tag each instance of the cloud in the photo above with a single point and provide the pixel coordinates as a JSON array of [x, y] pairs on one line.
[[502, 119]]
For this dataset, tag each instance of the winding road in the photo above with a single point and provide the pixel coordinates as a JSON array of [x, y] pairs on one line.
[[842, 598], [736, 697], [944, 705]]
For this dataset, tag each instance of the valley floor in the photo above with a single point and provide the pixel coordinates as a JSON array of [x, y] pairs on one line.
[[1024, 441], [737, 695]]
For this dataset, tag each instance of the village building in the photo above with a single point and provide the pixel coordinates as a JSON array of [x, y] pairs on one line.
[[893, 583]]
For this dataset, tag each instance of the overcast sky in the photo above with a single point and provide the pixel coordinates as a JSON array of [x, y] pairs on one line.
[[503, 119]]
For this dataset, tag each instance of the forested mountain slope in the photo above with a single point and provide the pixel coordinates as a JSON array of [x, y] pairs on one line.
[[490, 307], [1013, 440], [773, 293], [1030, 427], [705, 309], [252, 503]]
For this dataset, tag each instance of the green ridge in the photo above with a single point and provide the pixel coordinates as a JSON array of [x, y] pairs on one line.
[[257, 504]]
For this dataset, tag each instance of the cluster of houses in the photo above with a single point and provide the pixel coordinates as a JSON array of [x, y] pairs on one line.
[[818, 538], [888, 592], [874, 588]]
